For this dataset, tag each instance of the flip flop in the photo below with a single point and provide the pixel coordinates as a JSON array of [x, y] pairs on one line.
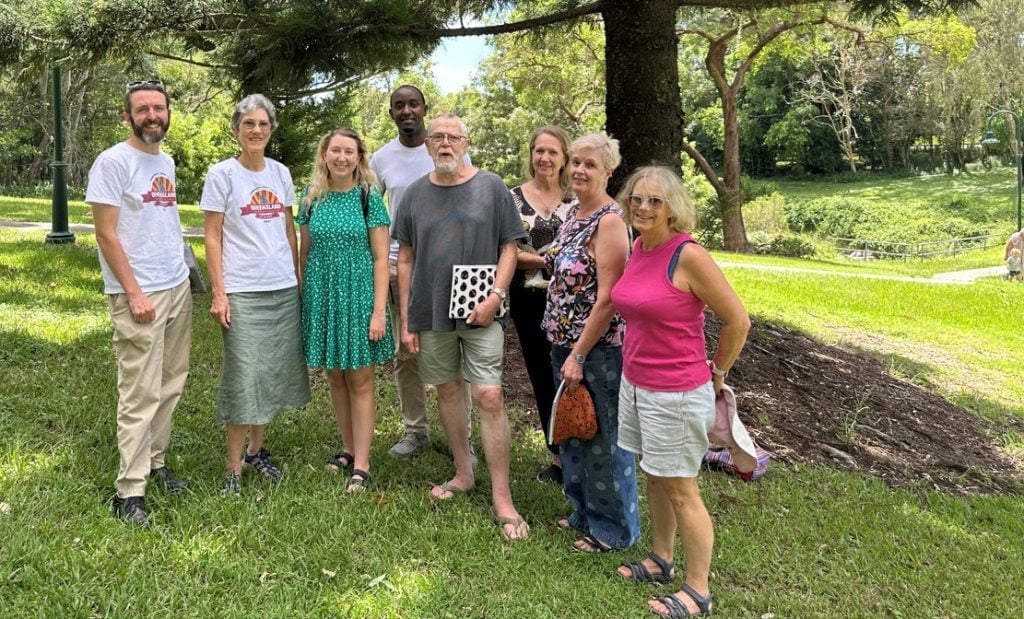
[[517, 523], [590, 544], [449, 488]]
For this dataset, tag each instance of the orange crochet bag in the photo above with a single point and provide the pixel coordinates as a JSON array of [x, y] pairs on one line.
[[572, 415]]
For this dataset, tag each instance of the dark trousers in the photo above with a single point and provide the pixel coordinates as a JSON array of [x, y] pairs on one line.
[[527, 308]]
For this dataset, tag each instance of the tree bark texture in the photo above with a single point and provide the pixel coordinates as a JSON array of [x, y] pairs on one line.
[[644, 106]]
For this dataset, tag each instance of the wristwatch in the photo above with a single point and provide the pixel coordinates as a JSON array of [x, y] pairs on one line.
[[580, 359], [718, 372], [501, 292]]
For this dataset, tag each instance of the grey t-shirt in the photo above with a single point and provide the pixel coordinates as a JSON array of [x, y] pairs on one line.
[[445, 226]]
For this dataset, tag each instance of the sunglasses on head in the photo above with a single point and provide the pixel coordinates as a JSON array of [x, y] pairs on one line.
[[157, 84]]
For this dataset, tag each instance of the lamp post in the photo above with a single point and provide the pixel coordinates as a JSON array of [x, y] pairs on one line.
[[1018, 135], [59, 204]]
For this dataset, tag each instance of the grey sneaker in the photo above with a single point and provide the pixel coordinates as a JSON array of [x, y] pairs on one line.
[[165, 477], [410, 445], [232, 485], [131, 509], [260, 462]]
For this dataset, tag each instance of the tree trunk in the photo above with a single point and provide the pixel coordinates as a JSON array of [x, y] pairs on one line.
[[643, 103], [730, 199]]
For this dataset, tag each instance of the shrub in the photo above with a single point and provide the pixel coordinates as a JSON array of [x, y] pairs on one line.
[[765, 214], [831, 216], [789, 245]]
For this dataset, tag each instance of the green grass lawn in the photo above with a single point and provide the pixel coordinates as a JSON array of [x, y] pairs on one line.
[[991, 192], [37, 209], [803, 542]]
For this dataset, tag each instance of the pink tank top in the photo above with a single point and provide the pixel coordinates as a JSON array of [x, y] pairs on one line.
[[663, 347]]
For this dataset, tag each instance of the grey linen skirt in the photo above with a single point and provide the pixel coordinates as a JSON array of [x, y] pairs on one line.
[[264, 371]]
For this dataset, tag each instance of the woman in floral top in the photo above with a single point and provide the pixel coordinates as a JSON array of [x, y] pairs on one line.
[[599, 478], [543, 202]]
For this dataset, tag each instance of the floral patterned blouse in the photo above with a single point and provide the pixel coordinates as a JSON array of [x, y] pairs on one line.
[[573, 289]]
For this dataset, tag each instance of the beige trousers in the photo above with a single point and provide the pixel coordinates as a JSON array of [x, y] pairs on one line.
[[152, 365]]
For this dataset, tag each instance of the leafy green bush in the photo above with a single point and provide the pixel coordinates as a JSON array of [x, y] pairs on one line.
[[830, 216], [755, 188], [765, 214], [789, 245]]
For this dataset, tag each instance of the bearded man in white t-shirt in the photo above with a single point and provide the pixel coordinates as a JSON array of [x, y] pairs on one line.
[[132, 193], [397, 164]]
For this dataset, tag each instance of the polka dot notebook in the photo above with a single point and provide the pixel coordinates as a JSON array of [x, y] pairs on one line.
[[470, 285]]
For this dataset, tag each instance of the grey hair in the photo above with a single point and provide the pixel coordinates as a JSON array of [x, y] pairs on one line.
[[449, 116], [251, 104], [606, 145]]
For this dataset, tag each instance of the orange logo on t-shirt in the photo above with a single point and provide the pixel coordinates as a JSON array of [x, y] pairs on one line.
[[264, 204], [161, 192]]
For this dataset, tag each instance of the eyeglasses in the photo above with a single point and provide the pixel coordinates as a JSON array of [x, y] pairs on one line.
[[156, 84], [249, 125], [636, 201], [439, 138]]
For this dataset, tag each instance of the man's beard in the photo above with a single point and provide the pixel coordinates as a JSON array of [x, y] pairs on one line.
[[446, 167], [151, 135]]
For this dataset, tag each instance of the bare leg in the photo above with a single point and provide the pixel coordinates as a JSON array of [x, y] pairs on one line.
[[257, 435], [236, 442], [697, 535], [663, 525], [363, 414], [495, 434], [452, 409], [340, 402]]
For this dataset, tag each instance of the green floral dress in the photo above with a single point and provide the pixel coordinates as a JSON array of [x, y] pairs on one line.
[[337, 289]]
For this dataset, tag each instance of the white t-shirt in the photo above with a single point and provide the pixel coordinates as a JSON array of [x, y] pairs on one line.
[[256, 253], [396, 167], [141, 185]]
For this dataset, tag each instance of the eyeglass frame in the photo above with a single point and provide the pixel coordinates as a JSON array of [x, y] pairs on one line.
[[656, 203], [140, 84], [454, 140]]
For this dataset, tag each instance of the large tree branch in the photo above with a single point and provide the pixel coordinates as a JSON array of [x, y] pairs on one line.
[[544, 20], [705, 167], [190, 61]]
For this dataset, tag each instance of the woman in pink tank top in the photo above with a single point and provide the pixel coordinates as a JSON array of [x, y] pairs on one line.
[[667, 395]]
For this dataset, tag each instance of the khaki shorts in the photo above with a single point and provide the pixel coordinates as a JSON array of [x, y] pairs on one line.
[[475, 354], [668, 429]]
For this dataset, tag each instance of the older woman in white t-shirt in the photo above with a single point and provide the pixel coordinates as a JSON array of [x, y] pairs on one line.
[[251, 253]]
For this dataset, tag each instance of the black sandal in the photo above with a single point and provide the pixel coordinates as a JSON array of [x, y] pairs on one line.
[[589, 543], [341, 461], [359, 481], [638, 572], [676, 608]]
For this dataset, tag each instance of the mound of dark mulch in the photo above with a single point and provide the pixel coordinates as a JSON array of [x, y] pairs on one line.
[[808, 402]]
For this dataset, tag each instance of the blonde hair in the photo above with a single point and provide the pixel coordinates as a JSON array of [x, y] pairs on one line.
[[1014, 252], [320, 179], [564, 175], [682, 215], [601, 142]]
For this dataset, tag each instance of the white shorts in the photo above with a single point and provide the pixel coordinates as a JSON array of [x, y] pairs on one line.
[[667, 429]]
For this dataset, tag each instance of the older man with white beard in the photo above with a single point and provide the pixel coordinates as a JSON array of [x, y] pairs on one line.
[[132, 194], [460, 215]]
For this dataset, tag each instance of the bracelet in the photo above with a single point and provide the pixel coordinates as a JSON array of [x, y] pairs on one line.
[[717, 371], [501, 292]]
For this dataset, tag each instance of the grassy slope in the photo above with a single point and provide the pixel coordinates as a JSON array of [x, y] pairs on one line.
[[803, 542]]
